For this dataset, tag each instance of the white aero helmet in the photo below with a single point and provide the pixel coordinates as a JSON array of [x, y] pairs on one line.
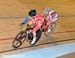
[[47, 10]]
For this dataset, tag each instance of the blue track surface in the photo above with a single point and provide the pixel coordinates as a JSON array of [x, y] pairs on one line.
[[49, 52]]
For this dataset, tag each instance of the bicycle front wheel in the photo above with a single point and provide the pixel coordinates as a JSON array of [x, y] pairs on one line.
[[19, 39]]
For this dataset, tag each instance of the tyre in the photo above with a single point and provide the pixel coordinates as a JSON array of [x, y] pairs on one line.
[[51, 28], [19, 39], [16, 43]]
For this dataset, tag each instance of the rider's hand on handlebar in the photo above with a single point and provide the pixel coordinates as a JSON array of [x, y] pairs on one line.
[[21, 25]]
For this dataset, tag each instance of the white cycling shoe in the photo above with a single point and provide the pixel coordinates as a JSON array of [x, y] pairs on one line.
[[33, 41], [49, 30]]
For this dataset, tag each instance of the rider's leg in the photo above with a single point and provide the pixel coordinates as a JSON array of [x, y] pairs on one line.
[[34, 34], [49, 24], [33, 31], [34, 38], [46, 27], [38, 25]]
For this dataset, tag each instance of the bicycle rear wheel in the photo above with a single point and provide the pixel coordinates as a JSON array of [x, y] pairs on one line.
[[51, 28]]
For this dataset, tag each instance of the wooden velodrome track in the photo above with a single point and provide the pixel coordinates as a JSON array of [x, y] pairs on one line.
[[12, 12]]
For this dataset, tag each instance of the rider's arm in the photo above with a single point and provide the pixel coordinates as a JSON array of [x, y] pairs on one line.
[[25, 20], [53, 14]]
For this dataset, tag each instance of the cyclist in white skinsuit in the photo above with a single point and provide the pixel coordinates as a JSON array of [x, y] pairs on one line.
[[50, 16]]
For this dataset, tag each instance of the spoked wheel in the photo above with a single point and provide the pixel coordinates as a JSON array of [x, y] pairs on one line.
[[17, 43], [51, 28], [19, 39]]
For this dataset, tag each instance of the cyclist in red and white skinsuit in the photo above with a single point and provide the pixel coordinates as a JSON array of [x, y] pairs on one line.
[[36, 20], [33, 19], [50, 16]]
